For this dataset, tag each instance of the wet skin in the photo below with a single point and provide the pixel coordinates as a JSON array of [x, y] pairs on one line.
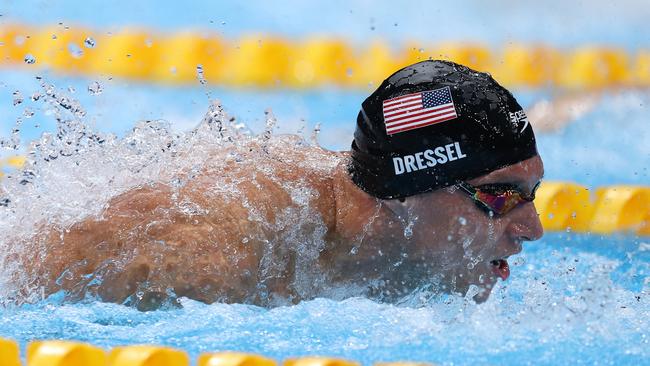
[[452, 238], [148, 242]]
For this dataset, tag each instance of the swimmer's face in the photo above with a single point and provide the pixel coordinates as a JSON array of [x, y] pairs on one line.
[[461, 242]]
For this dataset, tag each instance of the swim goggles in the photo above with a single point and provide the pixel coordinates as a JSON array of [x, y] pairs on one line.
[[498, 198]]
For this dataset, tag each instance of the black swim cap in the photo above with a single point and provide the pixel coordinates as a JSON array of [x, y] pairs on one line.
[[434, 124]]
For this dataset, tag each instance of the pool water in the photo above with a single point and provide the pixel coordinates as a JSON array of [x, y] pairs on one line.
[[571, 298]]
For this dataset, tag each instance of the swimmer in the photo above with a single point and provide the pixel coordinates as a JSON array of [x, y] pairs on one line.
[[437, 192]]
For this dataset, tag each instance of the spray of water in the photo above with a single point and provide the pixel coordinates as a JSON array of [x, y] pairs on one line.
[[75, 176]]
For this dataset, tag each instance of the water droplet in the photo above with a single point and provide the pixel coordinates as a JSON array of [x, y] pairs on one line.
[[271, 122], [148, 42], [462, 221], [518, 261], [71, 89], [29, 59], [89, 42], [421, 50], [223, 23], [75, 50], [18, 98], [199, 74], [19, 40], [349, 71], [28, 113], [95, 88], [314, 134], [408, 230], [36, 96]]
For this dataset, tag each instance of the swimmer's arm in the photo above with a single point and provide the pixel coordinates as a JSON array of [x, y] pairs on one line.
[[143, 243], [95, 244]]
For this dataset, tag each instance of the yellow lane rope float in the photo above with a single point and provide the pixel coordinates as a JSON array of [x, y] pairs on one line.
[[271, 61], [570, 207], [66, 353], [567, 206], [12, 162]]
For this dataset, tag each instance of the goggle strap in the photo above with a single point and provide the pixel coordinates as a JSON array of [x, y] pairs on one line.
[[467, 188]]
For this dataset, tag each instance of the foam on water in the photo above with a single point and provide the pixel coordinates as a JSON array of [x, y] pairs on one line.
[[571, 298]]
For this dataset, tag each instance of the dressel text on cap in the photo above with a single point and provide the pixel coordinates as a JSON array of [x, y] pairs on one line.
[[427, 158]]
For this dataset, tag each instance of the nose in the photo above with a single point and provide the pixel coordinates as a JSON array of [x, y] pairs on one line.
[[526, 225]]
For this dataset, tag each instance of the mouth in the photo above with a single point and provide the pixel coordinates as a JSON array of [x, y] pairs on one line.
[[501, 268]]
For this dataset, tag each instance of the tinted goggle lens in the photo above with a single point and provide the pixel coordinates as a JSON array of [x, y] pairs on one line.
[[500, 204], [499, 198]]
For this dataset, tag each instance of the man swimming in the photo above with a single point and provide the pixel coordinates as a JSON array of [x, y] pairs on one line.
[[436, 193]]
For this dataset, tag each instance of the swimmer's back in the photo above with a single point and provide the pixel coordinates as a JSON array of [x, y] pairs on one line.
[[202, 236]]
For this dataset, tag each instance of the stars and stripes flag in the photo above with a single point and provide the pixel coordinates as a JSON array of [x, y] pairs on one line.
[[417, 110]]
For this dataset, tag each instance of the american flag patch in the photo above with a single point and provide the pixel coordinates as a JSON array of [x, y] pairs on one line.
[[418, 110]]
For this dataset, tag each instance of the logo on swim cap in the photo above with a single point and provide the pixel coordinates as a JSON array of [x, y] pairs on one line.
[[519, 117], [417, 110]]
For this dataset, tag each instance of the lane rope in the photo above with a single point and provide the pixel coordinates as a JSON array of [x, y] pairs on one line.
[[67, 353], [268, 61]]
